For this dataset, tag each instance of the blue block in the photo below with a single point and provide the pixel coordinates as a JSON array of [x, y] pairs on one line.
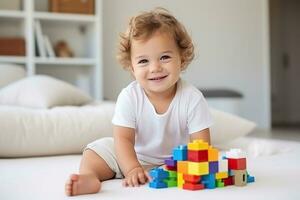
[[180, 152], [208, 181], [159, 174], [250, 179], [155, 184], [213, 167]]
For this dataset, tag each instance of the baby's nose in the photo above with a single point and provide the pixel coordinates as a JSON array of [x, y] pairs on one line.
[[155, 67]]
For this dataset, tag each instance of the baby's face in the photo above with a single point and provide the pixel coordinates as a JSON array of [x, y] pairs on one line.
[[156, 63]]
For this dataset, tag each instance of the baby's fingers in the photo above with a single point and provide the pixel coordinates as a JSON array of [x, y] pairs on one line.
[[149, 178], [134, 181], [125, 182], [142, 178]]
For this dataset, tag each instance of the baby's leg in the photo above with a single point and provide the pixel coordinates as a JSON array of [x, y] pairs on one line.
[[93, 169]]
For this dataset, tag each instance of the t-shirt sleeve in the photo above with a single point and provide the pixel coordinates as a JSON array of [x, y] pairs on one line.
[[199, 117], [124, 110]]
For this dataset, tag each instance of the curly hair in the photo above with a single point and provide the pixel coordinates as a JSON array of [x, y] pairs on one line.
[[143, 26]]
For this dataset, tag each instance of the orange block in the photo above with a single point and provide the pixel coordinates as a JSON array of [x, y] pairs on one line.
[[182, 167], [213, 154]]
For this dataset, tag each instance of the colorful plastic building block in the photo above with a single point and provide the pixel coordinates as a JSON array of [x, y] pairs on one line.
[[158, 185], [180, 153], [250, 179], [198, 156], [197, 166], [237, 163], [159, 174], [190, 186], [240, 177], [197, 145]]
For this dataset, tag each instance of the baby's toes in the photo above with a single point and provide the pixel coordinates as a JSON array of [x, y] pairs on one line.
[[74, 177], [68, 187]]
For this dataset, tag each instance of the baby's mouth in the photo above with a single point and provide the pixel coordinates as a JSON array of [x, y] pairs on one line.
[[157, 78]]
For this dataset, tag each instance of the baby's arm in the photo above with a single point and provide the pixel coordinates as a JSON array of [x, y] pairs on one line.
[[124, 145], [201, 135]]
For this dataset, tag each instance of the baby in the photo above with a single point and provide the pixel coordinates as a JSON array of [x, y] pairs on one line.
[[155, 113]]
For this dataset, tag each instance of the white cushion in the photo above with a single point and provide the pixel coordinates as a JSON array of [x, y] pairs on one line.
[[10, 73], [227, 126], [66, 130], [42, 91], [60, 130]]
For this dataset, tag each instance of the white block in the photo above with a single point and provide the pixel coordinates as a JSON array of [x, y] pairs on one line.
[[235, 153], [223, 165]]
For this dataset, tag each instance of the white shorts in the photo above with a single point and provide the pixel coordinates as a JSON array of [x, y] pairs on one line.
[[104, 147]]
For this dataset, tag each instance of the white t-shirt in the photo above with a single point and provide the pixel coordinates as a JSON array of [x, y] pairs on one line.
[[158, 134]]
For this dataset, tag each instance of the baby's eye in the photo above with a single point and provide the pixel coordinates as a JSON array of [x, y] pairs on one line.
[[143, 61], [165, 57]]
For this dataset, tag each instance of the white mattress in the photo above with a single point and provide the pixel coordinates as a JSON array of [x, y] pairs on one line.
[[275, 165]]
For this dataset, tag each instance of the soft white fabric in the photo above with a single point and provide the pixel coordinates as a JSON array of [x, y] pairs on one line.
[[44, 178], [158, 134], [227, 126], [10, 73], [42, 91], [104, 147], [60, 130]]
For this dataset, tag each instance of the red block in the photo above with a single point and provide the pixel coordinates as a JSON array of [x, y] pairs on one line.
[[237, 163], [191, 178], [190, 186], [228, 181], [171, 168], [198, 156]]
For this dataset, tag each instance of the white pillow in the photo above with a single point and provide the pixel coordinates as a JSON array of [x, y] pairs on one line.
[[60, 130], [227, 127], [10, 73], [42, 91], [67, 130]]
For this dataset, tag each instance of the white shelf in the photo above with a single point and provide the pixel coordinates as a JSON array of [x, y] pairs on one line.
[[65, 61], [16, 14], [13, 59], [64, 17], [81, 32]]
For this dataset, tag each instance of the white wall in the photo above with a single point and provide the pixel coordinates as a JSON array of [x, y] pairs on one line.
[[231, 39]]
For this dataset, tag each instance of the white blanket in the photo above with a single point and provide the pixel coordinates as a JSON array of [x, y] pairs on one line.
[[275, 165]]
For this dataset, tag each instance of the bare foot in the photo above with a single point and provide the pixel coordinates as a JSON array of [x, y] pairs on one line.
[[79, 184]]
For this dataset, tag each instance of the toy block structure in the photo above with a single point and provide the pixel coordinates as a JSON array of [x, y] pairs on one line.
[[198, 166]]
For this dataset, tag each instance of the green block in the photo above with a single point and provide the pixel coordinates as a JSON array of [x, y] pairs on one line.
[[171, 182], [172, 174], [219, 183]]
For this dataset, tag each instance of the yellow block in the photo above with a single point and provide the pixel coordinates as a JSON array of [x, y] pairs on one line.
[[180, 180], [221, 175], [198, 168], [182, 167], [197, 145], [213, 154]]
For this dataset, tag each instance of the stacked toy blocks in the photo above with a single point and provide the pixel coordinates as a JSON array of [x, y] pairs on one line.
[[198, 166]]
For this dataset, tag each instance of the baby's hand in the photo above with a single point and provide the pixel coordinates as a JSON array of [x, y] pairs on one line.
[[137, 176]]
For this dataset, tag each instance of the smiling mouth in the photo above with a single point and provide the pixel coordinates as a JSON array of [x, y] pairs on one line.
[[157, 78]]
